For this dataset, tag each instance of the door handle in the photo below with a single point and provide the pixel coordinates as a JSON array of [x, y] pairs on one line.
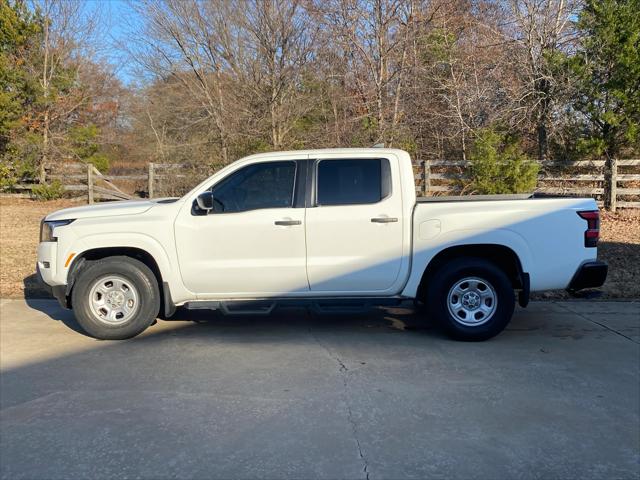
[[288, 223], [384, 219]]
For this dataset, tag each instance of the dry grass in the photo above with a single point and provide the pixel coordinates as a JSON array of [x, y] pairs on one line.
[[19, 236], [20, 222], [620, 248]]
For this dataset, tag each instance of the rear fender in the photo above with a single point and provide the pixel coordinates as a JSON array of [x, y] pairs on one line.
[[424, 252]]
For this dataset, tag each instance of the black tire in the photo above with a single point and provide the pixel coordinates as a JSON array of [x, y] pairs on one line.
[[138, 277], [455, 271]]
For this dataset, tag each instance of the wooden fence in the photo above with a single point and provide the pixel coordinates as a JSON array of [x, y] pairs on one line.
[[440, 177], [576, 178], [84, 179]]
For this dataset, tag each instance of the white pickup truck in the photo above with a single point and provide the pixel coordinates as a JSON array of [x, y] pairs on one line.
[[333, 229]]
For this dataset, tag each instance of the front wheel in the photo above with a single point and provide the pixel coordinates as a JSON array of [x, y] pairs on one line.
[[115, 298], [471, 298]]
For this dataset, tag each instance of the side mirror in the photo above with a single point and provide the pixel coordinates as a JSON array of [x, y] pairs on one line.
[[205, 201]]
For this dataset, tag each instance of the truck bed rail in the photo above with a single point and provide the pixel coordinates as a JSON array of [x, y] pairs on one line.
[[476, 198]]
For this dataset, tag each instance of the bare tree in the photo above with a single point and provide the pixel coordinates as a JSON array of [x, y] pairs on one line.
[[250, 55], [181, 40], [422, 74], [279, 47], [373, 39], [542, 28], [459, 80], [67, 32]]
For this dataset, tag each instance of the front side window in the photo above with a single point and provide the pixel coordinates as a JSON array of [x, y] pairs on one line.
[[349, 182], [261, 185]]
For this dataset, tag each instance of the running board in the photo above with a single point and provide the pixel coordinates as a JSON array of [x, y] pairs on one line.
[[244, 307], [330, 306], [318, 305]]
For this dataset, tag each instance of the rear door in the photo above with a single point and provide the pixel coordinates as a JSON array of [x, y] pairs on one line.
[[354, 226]]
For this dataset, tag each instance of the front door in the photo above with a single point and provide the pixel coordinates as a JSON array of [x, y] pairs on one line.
[[252, 243]]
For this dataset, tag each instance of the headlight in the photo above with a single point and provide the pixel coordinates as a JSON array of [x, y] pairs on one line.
[[47, 227]]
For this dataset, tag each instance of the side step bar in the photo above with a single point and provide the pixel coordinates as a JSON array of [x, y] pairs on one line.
[[257, 307], [318, 305]]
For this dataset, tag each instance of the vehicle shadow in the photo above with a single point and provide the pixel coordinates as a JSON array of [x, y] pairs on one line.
[[282, 320], [54, 311], [33, 287], [401, 318]]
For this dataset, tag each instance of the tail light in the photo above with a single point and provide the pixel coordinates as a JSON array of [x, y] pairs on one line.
[[592, 233]]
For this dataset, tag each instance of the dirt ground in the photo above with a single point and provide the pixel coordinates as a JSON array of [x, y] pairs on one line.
[[620, 248], [19, 236], [20, 223]]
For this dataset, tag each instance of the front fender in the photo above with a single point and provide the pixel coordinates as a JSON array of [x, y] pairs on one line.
[[81, 246]]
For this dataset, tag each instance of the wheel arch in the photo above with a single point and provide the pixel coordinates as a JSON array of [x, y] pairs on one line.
[[502, 256], [136, 253]]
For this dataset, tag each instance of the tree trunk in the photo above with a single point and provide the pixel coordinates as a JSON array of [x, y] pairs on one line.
[[45, 91], [611, 167], [542, 142], [42, 172], [224, 141]]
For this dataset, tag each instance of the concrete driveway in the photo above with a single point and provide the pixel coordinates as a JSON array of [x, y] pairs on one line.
[[295, 395]]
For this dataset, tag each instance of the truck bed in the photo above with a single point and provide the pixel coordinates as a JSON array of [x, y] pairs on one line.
[[545, 231]]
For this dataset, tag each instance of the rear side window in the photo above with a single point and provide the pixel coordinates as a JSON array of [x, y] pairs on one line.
[[350, 182]]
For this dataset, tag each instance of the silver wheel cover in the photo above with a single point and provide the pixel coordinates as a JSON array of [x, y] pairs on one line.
[[113, 299], [472, 301]]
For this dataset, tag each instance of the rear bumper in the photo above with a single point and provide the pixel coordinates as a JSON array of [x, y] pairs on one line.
[[59, 292], [589, 275]]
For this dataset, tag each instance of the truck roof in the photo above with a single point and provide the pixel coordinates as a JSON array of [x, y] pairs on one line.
[[339, 151]]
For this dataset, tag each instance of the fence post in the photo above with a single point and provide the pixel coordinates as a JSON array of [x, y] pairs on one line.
[[613, 184], [151, 179], [426, 176], [90, 183]]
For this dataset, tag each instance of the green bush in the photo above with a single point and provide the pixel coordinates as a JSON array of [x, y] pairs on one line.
[[499, 166], [85, 146], [7, 176], [100, 161], [51, 191]]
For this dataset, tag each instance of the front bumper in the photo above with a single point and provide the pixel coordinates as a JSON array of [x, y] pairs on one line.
[[59, 292], [589, 275]]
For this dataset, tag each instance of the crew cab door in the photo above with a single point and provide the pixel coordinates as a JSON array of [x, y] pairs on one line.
[[252, 243], [354, 226]]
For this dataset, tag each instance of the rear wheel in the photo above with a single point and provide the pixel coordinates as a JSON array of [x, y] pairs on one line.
[[471, 298], [115, 298]]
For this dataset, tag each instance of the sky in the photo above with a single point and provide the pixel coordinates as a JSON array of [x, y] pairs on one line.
[[119, 19]]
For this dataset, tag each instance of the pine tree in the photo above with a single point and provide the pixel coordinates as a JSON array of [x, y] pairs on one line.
[[607, 71], [19, 89]]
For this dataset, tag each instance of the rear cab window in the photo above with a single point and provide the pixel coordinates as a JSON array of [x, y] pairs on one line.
[[352, 181]]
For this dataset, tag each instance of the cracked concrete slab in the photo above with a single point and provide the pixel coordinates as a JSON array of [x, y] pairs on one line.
[[295, 395], [344, 371]]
